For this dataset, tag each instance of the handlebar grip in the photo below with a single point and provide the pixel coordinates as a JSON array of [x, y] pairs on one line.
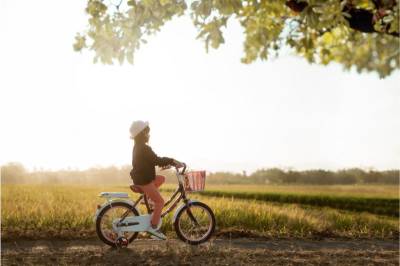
[[184, 168]]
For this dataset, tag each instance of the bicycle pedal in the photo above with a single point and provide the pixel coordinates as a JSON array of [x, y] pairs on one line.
[[121, 242]]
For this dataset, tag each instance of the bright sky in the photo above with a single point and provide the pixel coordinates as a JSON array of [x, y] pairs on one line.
[[58, 110]]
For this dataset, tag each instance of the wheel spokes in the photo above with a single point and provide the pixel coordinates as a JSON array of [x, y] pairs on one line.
[[195, 223], [106, 223]]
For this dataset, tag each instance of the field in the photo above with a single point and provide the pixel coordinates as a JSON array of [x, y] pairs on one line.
[[256, 225], [378, 200], [66, 211]]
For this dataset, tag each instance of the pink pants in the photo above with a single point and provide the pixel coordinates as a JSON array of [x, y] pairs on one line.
[[151, 191]]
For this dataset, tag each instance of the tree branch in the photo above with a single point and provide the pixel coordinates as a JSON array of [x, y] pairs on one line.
[[361, 19]]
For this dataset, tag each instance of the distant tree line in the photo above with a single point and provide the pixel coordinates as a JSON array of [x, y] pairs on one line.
[[17, 173], [317, 177]]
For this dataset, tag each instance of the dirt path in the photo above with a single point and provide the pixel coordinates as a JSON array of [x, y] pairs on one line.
[[218, 252]]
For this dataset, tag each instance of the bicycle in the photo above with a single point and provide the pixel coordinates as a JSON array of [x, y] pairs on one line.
[[193, 221]]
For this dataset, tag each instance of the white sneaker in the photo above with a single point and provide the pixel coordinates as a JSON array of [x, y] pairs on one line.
[[157, 233]]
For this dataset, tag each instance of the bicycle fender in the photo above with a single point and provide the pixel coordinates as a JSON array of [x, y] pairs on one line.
[[181, 207], [111, 202]]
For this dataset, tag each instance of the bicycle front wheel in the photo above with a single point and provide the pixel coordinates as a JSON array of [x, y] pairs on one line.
[[195, 223]]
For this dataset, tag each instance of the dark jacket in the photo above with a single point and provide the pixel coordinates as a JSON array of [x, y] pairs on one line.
[[144, 161]]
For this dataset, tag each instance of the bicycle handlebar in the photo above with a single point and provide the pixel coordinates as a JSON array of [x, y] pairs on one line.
[[183, 171]]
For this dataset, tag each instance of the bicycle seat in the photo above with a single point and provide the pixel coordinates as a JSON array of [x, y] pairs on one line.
[[136, 189]]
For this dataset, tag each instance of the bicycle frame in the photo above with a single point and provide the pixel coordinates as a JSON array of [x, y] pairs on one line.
[[176, 197]]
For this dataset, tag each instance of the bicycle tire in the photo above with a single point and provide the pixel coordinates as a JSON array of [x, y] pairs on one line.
[[209, 233], [107, 208]]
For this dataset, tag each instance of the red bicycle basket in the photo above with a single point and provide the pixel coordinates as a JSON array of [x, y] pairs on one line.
[[195, 181]]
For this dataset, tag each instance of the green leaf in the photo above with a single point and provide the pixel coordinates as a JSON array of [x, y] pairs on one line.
[[321, 33], [129, 57]]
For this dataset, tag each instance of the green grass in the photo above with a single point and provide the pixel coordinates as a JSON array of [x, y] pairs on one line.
[[375, 191], [66, 211], [381, 200]]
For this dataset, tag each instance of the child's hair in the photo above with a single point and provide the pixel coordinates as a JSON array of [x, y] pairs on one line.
[[141, 137]]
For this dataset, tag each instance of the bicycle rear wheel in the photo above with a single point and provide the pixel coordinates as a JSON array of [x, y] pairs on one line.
[[195, 223], [104, 222]]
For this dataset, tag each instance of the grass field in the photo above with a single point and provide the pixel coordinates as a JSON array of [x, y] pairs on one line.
[[66, 211], [382, 199], [376, 191]]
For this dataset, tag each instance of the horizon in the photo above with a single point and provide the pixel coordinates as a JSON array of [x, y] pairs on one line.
[[284, 169]]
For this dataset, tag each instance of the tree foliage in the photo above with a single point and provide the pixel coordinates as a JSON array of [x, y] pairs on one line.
[[359, 33], [13, 172], [310, 177]]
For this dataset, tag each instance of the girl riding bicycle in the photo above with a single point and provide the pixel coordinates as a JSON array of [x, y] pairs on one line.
[[143, 171]]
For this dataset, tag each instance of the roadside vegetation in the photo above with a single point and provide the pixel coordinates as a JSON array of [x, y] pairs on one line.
[[66, 211], [371, 204]]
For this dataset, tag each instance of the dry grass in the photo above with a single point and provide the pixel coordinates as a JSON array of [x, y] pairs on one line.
[[46, 211]]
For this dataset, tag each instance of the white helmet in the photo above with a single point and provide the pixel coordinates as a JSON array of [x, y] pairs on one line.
[[137, 127]]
